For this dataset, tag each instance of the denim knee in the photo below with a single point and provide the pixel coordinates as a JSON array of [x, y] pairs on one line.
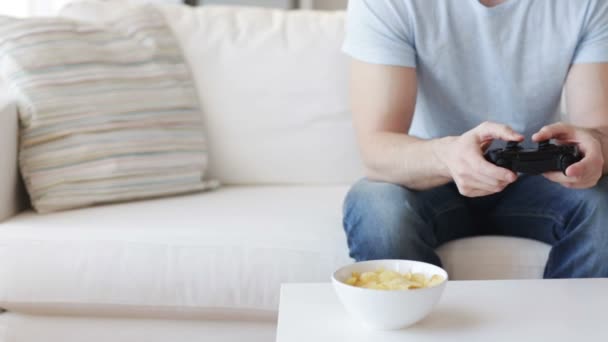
[[595, 206], [385, 221], [588, 233]]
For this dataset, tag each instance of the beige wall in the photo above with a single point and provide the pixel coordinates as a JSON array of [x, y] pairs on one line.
[[330, 4]]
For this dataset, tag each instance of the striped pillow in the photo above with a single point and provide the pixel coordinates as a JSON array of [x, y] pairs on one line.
[[108, 114]]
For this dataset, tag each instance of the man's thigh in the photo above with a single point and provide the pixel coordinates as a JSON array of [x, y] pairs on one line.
[[449, 213], [437, 215], [536, 208]]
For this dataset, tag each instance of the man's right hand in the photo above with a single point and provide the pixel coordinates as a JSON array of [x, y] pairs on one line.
[[464, 162]]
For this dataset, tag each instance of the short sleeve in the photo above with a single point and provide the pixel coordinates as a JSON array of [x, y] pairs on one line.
[[379, 32], [593, 43]]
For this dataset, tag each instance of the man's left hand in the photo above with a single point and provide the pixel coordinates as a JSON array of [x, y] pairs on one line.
[[586, 173]]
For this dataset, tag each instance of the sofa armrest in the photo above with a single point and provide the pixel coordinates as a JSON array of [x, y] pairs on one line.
[[11, 198]]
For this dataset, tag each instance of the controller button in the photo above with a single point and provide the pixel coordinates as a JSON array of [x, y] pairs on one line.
[[512, 145], [544, 145], [501, 162]]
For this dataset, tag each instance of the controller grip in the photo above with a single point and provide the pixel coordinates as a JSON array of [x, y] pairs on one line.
[[567, 160], [496, 158]]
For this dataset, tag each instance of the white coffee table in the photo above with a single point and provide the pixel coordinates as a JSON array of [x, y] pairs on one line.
[[524, 310]]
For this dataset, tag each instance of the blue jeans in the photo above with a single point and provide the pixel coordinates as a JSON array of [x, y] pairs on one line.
[[387, 221]]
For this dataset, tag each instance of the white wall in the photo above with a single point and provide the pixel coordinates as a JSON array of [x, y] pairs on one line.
[[45, 7], [13, 8], [22, 8]]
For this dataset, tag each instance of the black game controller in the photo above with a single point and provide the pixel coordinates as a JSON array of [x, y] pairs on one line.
[[548, 157]]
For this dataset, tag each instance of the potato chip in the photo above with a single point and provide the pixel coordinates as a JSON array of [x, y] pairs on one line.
[[435, 280], [419, 278], [391, 280], [387, 276], [369, 276]]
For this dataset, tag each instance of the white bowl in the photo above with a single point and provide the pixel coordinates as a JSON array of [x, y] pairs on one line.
[[388, 309]]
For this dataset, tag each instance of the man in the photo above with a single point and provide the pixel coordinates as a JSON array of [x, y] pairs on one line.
[[434, 82]]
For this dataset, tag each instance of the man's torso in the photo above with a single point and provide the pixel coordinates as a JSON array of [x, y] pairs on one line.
[[505, 64]]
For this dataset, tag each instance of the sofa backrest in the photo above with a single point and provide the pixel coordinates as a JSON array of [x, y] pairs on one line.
[[273, 88]]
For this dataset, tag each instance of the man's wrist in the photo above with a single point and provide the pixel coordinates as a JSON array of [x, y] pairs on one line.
[[438, 146], [601, 135]]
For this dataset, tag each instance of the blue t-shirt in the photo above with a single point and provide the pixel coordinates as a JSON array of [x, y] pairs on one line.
[[474, 63]]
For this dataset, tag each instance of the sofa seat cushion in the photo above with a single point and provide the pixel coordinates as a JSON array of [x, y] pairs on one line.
[[226, 251], [494, 257]]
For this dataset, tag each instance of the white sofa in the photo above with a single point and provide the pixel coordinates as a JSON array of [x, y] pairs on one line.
[[273, 87]]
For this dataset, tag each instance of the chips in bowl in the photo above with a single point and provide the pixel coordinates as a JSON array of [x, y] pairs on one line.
[[391, 280]]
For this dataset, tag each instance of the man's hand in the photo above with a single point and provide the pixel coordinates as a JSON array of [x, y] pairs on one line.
[[586, 173], [464, 161]]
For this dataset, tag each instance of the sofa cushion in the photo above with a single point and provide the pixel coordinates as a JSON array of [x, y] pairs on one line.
[[228, 250], [492, 257], [15, 327], [107, 113]]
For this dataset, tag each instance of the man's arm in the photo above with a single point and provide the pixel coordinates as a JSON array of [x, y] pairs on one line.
[[587, 109], [587, 101], [383, 102]]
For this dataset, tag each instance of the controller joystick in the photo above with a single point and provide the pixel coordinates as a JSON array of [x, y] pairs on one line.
[[512, 145], [543, 145]]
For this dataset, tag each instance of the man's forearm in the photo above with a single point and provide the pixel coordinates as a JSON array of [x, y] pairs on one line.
[[406, 160]]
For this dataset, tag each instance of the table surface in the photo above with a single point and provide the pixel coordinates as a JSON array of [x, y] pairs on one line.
[[511, 310]]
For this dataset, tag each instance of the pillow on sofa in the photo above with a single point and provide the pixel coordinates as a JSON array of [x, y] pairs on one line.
[[107, 114]]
